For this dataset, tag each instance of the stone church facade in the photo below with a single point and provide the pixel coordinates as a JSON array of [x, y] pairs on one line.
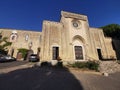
[[71, 39]]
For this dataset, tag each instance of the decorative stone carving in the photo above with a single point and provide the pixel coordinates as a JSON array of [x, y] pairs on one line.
[[13, 36]]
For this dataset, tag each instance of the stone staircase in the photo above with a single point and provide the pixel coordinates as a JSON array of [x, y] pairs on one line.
[[109, 67]]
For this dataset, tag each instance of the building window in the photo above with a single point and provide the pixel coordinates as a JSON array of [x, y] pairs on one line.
[[13, 37], [26, 37], [78, 52], [76, 23]]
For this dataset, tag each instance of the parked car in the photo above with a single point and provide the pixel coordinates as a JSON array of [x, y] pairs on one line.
[[6, 58], [34, 58]]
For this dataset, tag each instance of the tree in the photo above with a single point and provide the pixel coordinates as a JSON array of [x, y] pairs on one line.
[[4, 43], [23, 51], [112, 30]]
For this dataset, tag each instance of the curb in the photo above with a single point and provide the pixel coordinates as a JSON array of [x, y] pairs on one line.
[[85, 71]]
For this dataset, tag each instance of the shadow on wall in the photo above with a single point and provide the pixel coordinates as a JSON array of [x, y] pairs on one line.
[[116, 47], [43, 78]]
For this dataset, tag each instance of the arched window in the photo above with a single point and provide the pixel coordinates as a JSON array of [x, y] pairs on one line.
[[26, 37], [13, 37]]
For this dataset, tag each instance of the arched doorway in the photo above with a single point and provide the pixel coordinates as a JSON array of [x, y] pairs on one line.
[[78, 48]]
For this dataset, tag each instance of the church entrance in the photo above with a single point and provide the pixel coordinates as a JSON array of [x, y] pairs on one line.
[[78, 53], [55, 53]]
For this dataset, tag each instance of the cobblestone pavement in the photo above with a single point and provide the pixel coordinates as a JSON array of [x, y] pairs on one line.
[[26, 77]]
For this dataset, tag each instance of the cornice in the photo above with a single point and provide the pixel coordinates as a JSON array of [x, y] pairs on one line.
[[52, 22], [73, 15]]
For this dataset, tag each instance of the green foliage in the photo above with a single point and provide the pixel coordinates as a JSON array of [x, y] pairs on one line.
[[79, 64], [4, 43], [112, 30], [89, 65], [92, 65], [23, 51]]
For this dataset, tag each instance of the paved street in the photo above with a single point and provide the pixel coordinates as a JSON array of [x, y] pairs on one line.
[[44, 78], [12, 64], [91, 81]]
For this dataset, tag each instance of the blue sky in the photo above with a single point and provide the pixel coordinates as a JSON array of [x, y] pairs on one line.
[[29, 14]]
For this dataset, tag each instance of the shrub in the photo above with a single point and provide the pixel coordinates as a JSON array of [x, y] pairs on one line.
[[23, 51], [4, 44], [79, 64], [91, 65]]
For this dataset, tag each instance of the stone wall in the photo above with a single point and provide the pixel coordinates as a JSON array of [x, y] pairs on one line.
[[51, 38], [110, 50], [100, 42], [109, 67], [75, 36], [21, 41]]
